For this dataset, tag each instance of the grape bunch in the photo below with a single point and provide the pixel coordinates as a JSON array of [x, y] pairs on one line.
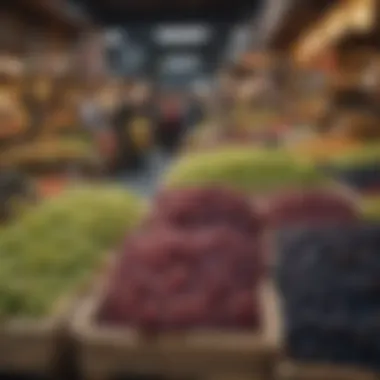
[[202, 207], [174, 279], [196, 264], [58, 244], [318, 206], [328, 278]]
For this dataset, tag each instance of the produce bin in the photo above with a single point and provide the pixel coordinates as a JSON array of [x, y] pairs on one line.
[[289, 368], [107, 351]]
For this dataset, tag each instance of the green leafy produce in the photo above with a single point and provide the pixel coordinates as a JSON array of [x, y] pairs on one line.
[[245, 168], [56, 246]]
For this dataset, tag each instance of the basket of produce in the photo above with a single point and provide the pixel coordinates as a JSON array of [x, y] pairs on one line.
[[49, 155], [185, 295], [47, 258], [326, 276], [359, 168]]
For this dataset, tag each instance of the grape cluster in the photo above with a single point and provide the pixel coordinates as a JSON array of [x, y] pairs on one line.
[[200, 208], [316, 206], [329, 281], [192, 266]]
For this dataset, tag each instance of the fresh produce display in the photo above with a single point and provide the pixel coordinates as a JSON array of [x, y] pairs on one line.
[[49, 151], [328, 279], [319, 206], [321, 149], [195, 271], [196, 208], [244, 168], [48, 252]]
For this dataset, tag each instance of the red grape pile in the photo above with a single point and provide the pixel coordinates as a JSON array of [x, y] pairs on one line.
[[195, 265], [317, 206], [200, 208]]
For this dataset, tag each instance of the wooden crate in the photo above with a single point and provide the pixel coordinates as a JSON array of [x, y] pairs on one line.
[[107, 351], [290, 370], [37, 346], [33, 346]]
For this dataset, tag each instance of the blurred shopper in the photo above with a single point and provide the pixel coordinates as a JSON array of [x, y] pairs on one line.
[[132, 123], [171, 123], [95, 120]]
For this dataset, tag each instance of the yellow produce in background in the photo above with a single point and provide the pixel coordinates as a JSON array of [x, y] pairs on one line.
[[141, 134], [321, 149]]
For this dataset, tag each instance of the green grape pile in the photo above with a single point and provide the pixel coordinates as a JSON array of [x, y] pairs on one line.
[[247, 169], [368, 154], [59, 244]]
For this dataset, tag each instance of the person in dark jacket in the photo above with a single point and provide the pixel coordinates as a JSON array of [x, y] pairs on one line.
[[127, 119]]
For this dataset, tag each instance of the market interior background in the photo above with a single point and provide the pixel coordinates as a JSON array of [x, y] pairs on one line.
[[183, 135]]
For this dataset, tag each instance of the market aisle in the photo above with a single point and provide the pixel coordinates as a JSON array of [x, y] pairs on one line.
[[145, 181]]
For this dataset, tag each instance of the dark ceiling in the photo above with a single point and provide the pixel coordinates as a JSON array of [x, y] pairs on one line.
[[138, 19], [135, 11]]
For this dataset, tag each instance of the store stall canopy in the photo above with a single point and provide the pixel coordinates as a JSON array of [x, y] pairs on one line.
[[296, 17], [356, 17]]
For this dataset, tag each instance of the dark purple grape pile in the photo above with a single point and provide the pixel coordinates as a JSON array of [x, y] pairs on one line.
[[329, 280], [318, 206], [196, 264]]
